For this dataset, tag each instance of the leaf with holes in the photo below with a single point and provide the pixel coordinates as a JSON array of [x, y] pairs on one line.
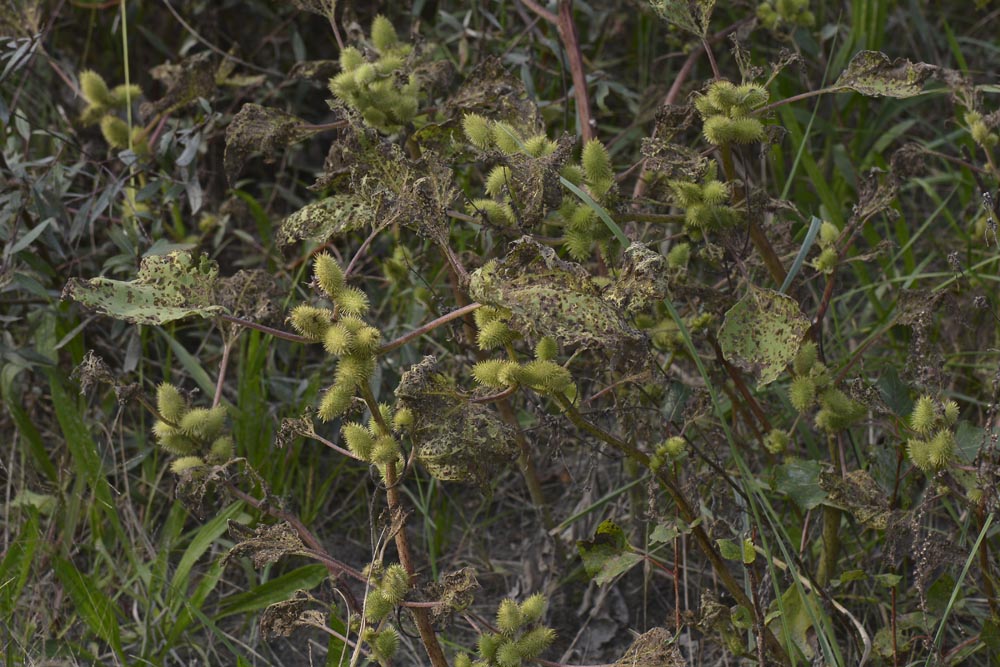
[[326, 218], [166, 288], [872, 73], [260, 129], [762, 333]]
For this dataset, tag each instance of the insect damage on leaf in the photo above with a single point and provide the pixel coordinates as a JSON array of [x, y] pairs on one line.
[[166, 288], [326, 218], [260, 129], [872, 73]]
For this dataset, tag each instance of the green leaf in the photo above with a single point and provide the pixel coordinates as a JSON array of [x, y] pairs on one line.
[[90, 602], [326, 218], [730, 549], [281, 588], [166, 288], [762, 333], [798, 616], [888, 580], [550, 297], [663, 533], [16, 565], [799, 480], [608, 554], [872, 73]]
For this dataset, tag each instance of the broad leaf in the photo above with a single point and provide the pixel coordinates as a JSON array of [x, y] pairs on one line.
[[166, 288], [608, 554], [799, 480], [257, 129], [762, 333], [872, 73], [323, 219]]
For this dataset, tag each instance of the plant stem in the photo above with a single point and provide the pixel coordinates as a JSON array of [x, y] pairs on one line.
[[831, 525], [433, 324], [568, 36], [277, 333]]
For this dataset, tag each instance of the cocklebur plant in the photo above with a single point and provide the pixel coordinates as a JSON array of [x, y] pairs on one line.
[[194, 436], [103, 105], [706, 205], [933, 446], [826, 261], [520, 637], [370, 79], [779, 14], [812, 385], [726, 111]]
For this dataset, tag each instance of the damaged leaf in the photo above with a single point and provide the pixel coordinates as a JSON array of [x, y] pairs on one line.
[[872, 73], [551, 297], [282, 618], [260, 129], [326, 218], [642, 280], [691, 15], [166, 288], [265, 544], [608, 554], [455, 439], [654, 648], [858, 493], [186, 81], [762, 333], [454, 591]]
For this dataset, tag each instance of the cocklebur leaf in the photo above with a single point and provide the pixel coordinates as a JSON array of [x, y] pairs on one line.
[[762, 333], [608, 554], [872, 73], [166, 288], [258, 129]]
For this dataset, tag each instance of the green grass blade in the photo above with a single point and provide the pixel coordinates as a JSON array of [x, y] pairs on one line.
[[278, 589], [90, 602]]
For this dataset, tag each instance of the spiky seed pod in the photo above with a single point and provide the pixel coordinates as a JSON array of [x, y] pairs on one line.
[[376, 606], [582, 219], [578, 244], [385, 412], [546, 349], [539, 146], [352, 301], [828, 234], [358, 440], [492, 372], [352, 323], [364, 75], [596, 162], [488, 644], [385, 644], [403, 419], [203, 423], [706, 106], [386, 450], [178, 466], [221, 450], [837, 411], [805, 358], [749, 96], [802, 392], [493, 335], [328, 274], [950, 412], [924, 415], [509, 618], [311, 322], [572, 173], [350, 59], [173, 441], [534, 641], [121, 95], [95, 90], [477, 130], [675, 446], [335, 401], [115, 131], [395, 583], [941, 449], [720, 130], [354, 370], [826, 262], [498, 180], [463, 660], [366, 340], [546, 376], [714, 192], [723, 95], [533, 607], [776, 441], [170, 403], [383, 34], [338, 340], [505, 137], [685, 193], [501, 215], [388, 64], [508, 655], [375, 118], [679, 256]]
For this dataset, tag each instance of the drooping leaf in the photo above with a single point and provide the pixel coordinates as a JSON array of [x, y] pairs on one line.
[[260, 129], [655, 648], [872, 73], [166, 288], [691, 15], [90, 602], [798, 616], [454, 591], [186, 81], [762, 333], [265, 544], [551, 297], [608, 554], [326, 218], [799, 480], [282, 618], [642, 280], [455, 439], [492, 91], [858, 493]]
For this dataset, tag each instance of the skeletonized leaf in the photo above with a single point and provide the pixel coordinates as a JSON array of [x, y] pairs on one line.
[[550, 297], [762, 333], [167, 288], [260, 129], [872, 73], [265, 544], [325, 218], [690, 15]]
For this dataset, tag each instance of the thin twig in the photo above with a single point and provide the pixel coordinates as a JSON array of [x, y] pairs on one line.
[[433, 324]]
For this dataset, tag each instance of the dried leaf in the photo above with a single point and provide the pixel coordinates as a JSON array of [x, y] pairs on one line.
[[762, 333], [186, 81], [327, 218], [642, 280], [260, 129], [550, 297], [455, 591], [455, 439], [491, 91], [858, 493], [282, 618], [654, 648], [166, 288], [691, 15], [872, 73], [265, 544]]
